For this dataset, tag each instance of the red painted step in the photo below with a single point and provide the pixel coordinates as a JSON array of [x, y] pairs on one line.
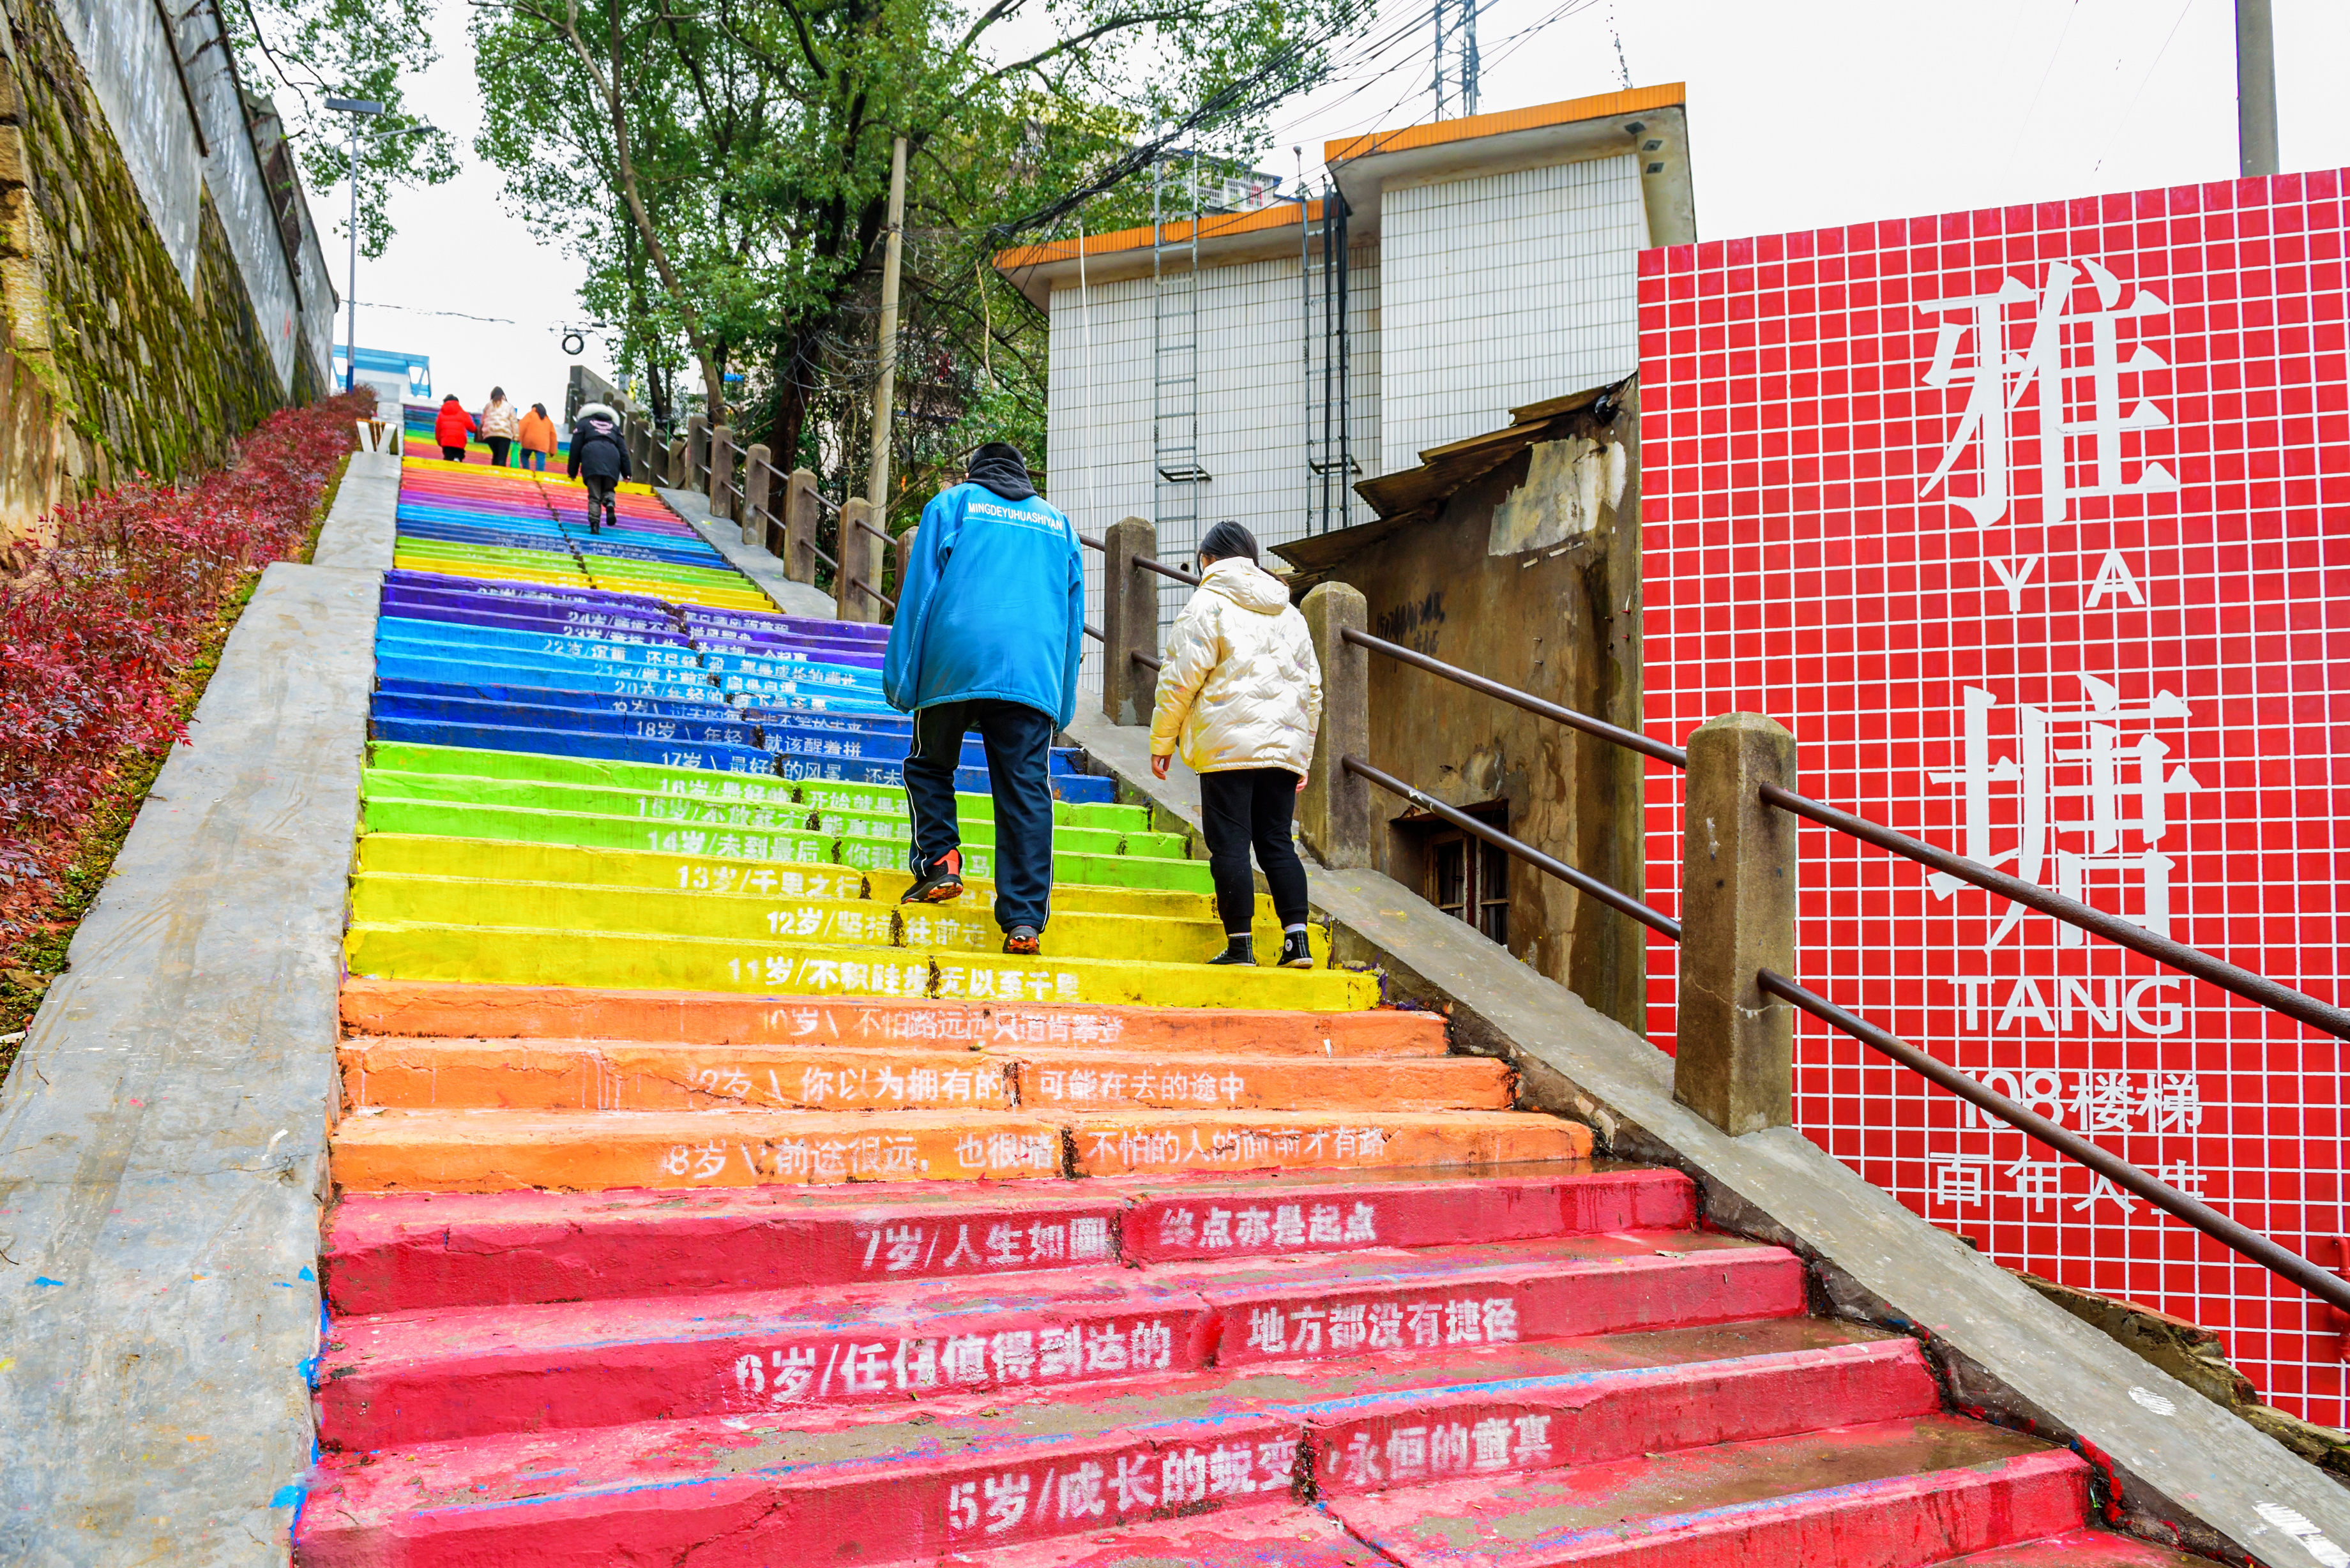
[[874, 1486], [406, 1251], [1895, 1494], [416, 1377], [1284, 1535], [2082, 1548]]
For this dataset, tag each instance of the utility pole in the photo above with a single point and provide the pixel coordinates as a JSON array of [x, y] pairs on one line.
[[358, 109], [2256, 106], [885, 385]]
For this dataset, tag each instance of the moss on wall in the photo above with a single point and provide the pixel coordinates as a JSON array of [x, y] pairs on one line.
[[109, 364]]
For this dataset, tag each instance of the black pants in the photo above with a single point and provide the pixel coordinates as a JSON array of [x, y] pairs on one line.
[[601, 488], [452, 454], [1252, 806], [1019, 740], [497, 445]]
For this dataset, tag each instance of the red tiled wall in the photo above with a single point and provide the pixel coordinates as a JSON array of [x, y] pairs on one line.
[[1795, 568]]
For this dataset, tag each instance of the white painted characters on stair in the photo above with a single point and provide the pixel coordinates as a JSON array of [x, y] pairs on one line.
[[1235, 1147], [1090, 1087], [1131, 1485], [853, 1368], [874, 1156], [830, 976], [797, 847], [818, 882], [706, 787], [1283, 1227], [1375, 1454], [917, 1249], [1009, 1151], [978, 984], [1341, 1328]]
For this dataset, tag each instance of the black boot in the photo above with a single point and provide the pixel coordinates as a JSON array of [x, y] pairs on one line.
[[1237, 950]]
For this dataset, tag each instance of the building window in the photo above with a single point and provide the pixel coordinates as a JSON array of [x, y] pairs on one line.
[[1469, 879]]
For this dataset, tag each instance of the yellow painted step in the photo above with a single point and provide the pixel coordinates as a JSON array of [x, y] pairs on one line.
[[959, 926], [522, 956]]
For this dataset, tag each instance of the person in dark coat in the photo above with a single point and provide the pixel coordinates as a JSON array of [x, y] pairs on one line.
[[451, 428], [600, 457]]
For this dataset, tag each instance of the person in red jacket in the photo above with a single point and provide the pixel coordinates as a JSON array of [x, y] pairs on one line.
[[451, 428]]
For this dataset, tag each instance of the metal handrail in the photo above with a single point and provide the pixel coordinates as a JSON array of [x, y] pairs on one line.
[[1095, 632], [1145, 660], [1090, 543], [1621, 902], [2255, 988], [1164, 570], [2245, 1242], [1631, 740], [877, 532], [817, 551]]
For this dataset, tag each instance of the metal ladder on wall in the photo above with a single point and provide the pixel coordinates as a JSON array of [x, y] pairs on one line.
[[1177, 474]]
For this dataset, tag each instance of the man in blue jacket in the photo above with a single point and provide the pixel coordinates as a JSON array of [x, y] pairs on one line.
[[990, 623]]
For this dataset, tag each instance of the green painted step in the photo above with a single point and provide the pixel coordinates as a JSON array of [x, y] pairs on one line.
[[702, 783], [962, 926], [459, 819], [519, 956], [509, 860]]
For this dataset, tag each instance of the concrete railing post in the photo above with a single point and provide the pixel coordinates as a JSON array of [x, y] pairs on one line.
[[640, 449], [1129, 621], [798, 548], [721, 490], [1333, 815], [759, 500], [860, 565], [1735, 1049], [902, 557], [674, 472], [697, 454]]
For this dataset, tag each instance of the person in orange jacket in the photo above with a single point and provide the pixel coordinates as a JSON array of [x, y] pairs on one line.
[[451, 428], [538, 438]]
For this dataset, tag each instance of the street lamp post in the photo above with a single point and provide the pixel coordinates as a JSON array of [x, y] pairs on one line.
[[358, 109]]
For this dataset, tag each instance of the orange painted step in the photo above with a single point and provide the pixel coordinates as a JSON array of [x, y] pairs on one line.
[[607, 1076], [498, 1151], [453, 1012], [1173, 1142]]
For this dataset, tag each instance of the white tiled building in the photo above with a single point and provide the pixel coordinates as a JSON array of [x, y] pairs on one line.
[[1491, 264]]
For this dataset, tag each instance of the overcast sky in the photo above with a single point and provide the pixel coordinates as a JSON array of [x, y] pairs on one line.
[[1801, 115]]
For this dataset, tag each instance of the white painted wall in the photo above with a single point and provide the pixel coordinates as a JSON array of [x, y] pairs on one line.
[[1503, 290], [1251, 406]]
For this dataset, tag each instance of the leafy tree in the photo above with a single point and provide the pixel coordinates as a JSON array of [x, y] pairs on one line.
[[723, 166], [311, 49]]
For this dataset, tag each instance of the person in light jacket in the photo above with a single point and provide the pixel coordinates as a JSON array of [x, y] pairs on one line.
[[1240, 695], [500, 421]]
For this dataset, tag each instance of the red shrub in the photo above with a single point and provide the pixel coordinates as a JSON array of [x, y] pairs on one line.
[[98, 627]]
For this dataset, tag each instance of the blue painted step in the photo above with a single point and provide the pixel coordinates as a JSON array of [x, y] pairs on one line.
[[671, 685], [691, 729], [551, 697]]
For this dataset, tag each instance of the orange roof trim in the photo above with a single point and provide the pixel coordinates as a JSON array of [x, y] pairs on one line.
[[1213, 227], [1600, 105]]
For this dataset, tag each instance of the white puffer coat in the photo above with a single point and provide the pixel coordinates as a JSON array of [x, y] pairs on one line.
[[1239, 686]]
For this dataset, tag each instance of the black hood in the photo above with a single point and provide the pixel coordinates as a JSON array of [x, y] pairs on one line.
[[999, 466]]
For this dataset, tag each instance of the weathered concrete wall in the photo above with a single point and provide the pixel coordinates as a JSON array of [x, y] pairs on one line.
[[1529, 574], [142, 327]]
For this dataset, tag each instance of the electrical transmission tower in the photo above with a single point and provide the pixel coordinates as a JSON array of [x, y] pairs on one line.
[[1456, 57]]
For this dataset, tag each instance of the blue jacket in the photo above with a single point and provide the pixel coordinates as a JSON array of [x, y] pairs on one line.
[[993, 605]]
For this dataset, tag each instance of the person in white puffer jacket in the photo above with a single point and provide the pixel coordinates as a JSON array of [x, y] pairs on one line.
[[1240, 695]]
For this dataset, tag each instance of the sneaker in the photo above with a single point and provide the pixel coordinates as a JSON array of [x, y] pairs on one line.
[[1022, 941], [940, 883], [1296, 952], [1239, 950]]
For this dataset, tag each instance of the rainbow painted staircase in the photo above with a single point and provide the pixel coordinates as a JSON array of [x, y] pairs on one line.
[[698, 1205]]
